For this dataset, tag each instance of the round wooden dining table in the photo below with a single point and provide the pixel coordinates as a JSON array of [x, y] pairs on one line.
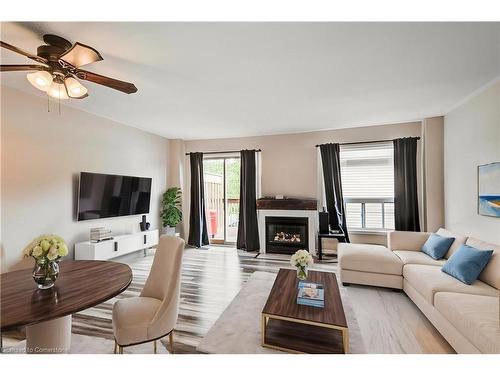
[[47, 313]]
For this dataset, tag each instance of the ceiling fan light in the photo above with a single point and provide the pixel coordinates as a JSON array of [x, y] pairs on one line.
[[41, 80], [75, 88], [58, 91]]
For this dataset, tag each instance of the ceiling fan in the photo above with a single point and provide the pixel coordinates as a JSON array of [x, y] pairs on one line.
[[58, 72]]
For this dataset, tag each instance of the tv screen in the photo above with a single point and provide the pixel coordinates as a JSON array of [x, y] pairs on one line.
[[105, 195]]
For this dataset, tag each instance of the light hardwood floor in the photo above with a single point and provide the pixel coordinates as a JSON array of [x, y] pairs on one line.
[[211, 278]]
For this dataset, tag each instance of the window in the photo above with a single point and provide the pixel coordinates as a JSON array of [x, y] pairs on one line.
[[368, 185]]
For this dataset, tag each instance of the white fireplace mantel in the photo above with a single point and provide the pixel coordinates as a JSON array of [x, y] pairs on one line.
[[311, 215]]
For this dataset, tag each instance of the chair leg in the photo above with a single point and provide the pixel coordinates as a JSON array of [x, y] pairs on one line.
[[114, 350], [171, 339], [154, 346]]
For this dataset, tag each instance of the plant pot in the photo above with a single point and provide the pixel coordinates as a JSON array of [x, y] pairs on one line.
[[45, 273], [169, 231]]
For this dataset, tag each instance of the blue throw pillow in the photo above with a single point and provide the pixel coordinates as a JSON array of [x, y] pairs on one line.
[[467, 263], [437, 246]]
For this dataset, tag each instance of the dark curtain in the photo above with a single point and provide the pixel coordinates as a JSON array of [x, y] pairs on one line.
[[198, 233], [248, 233], [405, 185], [330, 158]]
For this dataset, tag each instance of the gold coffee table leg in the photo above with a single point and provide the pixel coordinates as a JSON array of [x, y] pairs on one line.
[[345, 340], [263, 329]]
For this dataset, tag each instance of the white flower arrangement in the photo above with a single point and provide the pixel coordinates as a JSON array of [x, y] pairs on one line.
[[46, 247], [301, 258]]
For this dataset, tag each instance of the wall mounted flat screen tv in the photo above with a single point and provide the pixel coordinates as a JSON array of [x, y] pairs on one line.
[[105, 195]]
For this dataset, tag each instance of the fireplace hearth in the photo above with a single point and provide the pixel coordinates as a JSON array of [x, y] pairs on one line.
[[286, 235]]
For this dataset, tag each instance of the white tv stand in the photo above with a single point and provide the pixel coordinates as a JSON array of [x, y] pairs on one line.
[[118, 246]]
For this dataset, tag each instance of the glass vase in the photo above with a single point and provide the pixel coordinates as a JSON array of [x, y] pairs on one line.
[[45, 273], [302, 272]]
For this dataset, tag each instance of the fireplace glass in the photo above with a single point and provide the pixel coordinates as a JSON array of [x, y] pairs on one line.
[[286, 235]]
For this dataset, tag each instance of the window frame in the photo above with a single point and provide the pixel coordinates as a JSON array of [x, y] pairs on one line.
[[364, 201]]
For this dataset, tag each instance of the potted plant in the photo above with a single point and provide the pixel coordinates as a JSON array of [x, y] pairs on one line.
[[47, 250], [171, 213]]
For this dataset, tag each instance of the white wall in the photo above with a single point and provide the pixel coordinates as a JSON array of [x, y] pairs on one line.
[[289, 160], [42, 154], [471, 138], [176, 174], [433, 169]]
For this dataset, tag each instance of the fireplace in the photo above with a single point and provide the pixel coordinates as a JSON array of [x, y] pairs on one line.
[[286, 235], [295, 216]]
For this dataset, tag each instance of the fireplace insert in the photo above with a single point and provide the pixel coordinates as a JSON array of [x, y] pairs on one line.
[[286, 235]]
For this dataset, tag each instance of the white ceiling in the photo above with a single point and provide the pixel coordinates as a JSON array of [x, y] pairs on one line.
[[212, 80]]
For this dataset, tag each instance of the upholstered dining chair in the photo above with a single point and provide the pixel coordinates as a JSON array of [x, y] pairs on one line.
[[153, 314]]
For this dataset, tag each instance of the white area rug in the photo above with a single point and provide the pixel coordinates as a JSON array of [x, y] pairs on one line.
[[237, 331]]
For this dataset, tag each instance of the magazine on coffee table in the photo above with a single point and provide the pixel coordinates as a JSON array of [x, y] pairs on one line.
[[311, 294]]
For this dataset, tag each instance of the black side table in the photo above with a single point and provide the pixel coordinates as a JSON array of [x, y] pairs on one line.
[[339, 236]]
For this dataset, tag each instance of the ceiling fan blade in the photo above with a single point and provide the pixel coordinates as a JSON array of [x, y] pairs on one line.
[[20, 68], [126, 87], [21, 52], [80, 55]]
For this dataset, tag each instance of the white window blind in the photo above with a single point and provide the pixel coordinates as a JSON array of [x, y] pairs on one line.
[[368, 185]]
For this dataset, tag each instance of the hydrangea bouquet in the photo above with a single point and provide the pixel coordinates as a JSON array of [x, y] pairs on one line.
[[301, 260], [47, 250]]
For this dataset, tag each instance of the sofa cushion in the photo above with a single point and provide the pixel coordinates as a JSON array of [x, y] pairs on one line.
[[368, 258], [428, 280], [437, 246], [416, 257], [491, 273], [459, 240], [476, 317], [406, 240], [467, 263]]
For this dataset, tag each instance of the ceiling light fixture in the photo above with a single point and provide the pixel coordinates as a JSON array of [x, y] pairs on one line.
[[41, 80], [57, 86], [58, 90], [74, 88]]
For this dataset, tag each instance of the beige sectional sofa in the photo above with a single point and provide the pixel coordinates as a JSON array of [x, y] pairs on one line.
[[466, 315]]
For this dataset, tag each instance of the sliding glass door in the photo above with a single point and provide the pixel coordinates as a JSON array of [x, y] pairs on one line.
[[222, 198]]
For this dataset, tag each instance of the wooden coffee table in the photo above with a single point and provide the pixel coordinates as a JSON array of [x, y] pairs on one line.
[[295, 328]]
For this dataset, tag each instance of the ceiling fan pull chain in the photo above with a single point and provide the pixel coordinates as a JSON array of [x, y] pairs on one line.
[[48, 104], [59, 100]]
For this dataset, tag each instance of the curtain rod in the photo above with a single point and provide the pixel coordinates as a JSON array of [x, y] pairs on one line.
[[361, 142], [221, 152]]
